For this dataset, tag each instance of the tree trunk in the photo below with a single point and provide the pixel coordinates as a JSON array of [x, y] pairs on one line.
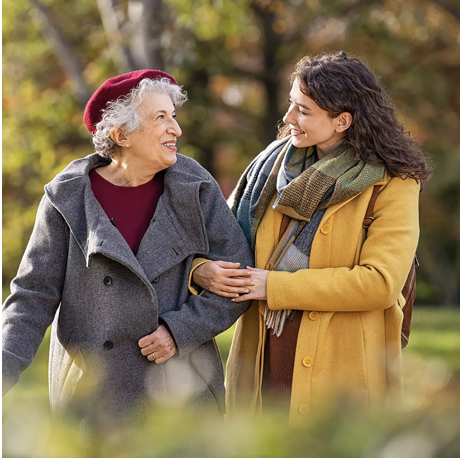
[[152, 26], [115, 36], [66, 56], [270, 79]]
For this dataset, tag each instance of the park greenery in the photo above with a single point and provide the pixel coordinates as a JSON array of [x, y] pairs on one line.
[[234, 58]]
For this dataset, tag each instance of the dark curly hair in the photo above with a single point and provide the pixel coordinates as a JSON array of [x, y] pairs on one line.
[[337, 84]]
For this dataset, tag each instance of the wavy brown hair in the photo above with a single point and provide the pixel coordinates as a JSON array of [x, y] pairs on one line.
[[337, 84]]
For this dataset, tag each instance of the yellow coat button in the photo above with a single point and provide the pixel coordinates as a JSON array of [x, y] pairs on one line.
[[313, 315], [326, 228], [304, 409], [307, 361]]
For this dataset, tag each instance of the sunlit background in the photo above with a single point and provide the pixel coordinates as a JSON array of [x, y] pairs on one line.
[[234, 58]]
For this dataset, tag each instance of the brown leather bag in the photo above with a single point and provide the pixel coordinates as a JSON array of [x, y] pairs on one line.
[[409, 290]]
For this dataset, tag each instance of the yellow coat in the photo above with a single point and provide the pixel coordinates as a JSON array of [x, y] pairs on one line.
[[349, 337]]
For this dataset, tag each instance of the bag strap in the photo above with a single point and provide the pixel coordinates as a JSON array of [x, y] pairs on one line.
[[368, 218]]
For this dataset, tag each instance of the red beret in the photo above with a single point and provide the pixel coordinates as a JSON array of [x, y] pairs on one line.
[[114, 88]]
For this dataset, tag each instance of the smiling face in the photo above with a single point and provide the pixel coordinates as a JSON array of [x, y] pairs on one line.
[[154, 143], [311, 125]]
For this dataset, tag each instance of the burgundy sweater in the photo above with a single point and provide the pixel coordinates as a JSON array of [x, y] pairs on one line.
[[129, 208]]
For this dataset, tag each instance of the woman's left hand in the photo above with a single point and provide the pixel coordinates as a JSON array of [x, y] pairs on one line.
[[259, 290]]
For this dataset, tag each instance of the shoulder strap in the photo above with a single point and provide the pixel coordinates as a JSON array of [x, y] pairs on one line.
[[409, 290], [368, 218]]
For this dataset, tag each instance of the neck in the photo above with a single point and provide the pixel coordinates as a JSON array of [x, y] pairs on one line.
[[323, 151], [126, 170]]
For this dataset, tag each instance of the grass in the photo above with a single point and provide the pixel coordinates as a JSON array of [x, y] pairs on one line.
[[435, 334]]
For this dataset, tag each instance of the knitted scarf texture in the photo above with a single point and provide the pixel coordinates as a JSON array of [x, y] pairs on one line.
[[305, 187]]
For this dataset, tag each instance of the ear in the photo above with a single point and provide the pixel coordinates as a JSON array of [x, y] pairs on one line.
[[119, 137], [343, 122]]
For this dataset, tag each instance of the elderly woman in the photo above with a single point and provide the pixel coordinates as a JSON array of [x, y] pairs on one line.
[[109, 260]]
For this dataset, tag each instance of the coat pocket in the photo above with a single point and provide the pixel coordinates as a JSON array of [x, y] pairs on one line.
[[71, 372]]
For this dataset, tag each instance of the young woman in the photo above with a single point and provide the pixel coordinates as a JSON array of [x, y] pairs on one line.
[[326, 314]]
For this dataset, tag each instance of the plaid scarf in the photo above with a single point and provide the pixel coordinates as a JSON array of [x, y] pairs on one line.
[[305, 187]]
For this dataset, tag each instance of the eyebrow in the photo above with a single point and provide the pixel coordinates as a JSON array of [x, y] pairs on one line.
[[300, 104], [162, 111]]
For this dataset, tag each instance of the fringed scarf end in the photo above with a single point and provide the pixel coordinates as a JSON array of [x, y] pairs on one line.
[[275, 319]]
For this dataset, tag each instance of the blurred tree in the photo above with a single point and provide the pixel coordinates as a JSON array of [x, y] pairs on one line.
[[234, 58]]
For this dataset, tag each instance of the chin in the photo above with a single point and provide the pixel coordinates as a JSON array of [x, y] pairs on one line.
[[171, 160], [300, 142]]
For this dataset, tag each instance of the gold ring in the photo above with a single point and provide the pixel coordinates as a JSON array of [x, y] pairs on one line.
[[153, 355]]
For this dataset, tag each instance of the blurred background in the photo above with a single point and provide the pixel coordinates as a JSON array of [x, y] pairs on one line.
[[234, 58]]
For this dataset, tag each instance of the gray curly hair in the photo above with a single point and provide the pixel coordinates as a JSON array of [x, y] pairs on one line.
[[123, 112]]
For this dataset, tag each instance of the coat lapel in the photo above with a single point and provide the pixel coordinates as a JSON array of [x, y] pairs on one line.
[[71, 194], [177, 229]]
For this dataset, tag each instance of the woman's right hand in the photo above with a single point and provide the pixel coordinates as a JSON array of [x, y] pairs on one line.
[[223, 278]]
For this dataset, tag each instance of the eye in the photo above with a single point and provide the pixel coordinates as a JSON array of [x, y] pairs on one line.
[[304, 113], [160, 116]]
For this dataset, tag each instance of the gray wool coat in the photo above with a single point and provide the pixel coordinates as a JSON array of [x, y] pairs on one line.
[[79, 271]]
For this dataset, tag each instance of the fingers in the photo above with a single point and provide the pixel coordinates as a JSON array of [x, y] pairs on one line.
[[146, 340], [158, 346], [159, 353], [159, 356], [240, 282], [159, 349], [234, 272], [228, 292], [245, 297], [228, 265]]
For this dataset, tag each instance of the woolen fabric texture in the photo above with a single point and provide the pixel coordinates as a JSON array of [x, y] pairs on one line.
[[79, 271], [112, 89], [304, 188], [350, 298], [279, 359]]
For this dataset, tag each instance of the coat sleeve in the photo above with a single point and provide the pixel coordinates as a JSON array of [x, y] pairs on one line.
[[379, 276], [35, 293], [204, 316]]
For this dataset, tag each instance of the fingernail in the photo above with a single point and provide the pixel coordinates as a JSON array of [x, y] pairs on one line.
[[246, 291]]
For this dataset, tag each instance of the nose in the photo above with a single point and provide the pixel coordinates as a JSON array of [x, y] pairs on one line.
[[289, 117], [174, 128]]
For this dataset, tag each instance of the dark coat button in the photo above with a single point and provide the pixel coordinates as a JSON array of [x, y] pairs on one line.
[[107, 281], [156, 280], [108, 345]]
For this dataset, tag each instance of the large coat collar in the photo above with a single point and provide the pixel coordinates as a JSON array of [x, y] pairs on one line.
[[176, 231]]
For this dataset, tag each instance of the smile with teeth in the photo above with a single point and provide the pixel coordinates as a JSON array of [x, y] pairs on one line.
[[297, 132], [170, 145]]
